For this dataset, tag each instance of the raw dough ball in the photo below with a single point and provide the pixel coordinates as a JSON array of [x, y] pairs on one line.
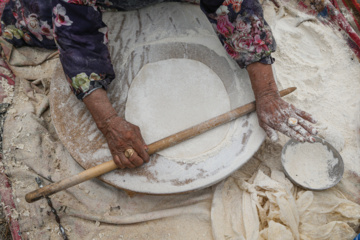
[[171, 95]]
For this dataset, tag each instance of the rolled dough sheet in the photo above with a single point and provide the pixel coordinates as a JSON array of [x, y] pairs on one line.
[[171, 95]]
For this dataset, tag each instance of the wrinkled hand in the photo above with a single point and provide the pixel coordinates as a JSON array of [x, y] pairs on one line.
[[122, 135], [273, 114]]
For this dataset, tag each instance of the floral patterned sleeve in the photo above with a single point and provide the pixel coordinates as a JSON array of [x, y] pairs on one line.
[[242, 29], [81, 37]]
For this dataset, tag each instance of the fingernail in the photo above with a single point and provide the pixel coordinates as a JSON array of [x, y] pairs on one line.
[[302, 139], [314, 131], [312, 139]]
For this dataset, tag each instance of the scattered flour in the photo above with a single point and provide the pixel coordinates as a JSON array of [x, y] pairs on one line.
[[315, 58], [310, 164], [171, 95], [7, 89]]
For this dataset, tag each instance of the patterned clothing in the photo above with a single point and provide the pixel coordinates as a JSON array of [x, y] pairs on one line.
[[76, 28]]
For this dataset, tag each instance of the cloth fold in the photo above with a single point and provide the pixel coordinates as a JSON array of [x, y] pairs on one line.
[[266, 207]]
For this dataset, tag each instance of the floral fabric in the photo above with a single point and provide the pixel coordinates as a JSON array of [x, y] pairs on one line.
[[76, 28], [243, 31]]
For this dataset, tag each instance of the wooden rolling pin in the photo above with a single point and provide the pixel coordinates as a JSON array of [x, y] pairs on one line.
[[153, 148]]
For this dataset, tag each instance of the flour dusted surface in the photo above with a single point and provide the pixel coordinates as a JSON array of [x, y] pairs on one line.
[[171, 95]]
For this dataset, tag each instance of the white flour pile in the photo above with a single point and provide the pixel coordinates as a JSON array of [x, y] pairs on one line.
[[310, 165], [169, 96]]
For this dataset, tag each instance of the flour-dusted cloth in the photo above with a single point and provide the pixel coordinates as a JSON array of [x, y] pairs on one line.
[[256, 202]]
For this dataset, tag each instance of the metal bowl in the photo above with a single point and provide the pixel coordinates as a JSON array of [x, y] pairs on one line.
[[335, 172]]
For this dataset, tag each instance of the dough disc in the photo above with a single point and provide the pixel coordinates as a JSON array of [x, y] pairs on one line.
[[171, 95]]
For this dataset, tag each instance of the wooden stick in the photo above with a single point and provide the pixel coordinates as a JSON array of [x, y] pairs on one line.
[[153, 148]]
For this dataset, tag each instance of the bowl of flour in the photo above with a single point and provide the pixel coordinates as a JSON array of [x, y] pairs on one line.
[[312, 166]]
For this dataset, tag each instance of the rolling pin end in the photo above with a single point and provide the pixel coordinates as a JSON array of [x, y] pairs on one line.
[[30, 198]]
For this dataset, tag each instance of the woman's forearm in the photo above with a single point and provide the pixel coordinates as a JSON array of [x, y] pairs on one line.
[[99, 106], [262, 80]]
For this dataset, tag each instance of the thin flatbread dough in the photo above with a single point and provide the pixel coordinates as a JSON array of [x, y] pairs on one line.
[[171, 95]]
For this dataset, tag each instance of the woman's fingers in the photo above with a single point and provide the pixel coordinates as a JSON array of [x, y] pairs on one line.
[[308, 137], [125, 161], [118, 162], [131, 159], [270, 132], [308, 127], [285, 129], [140, 146], [131, 162], [135, 159], [304, 115]]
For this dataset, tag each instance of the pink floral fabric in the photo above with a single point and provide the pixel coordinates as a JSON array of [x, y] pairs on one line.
[[76, 28], [243, 31]]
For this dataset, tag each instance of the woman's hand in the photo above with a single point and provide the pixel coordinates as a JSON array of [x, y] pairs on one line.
[[120, 134], [275, 114]]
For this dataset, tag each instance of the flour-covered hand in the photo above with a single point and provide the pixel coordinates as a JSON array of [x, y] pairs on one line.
[[274, 113]]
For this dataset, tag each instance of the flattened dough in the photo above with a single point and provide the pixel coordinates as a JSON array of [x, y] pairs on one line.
[[171, 95]]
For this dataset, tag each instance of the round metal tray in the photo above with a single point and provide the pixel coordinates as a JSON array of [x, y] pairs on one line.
[[335, 171]]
